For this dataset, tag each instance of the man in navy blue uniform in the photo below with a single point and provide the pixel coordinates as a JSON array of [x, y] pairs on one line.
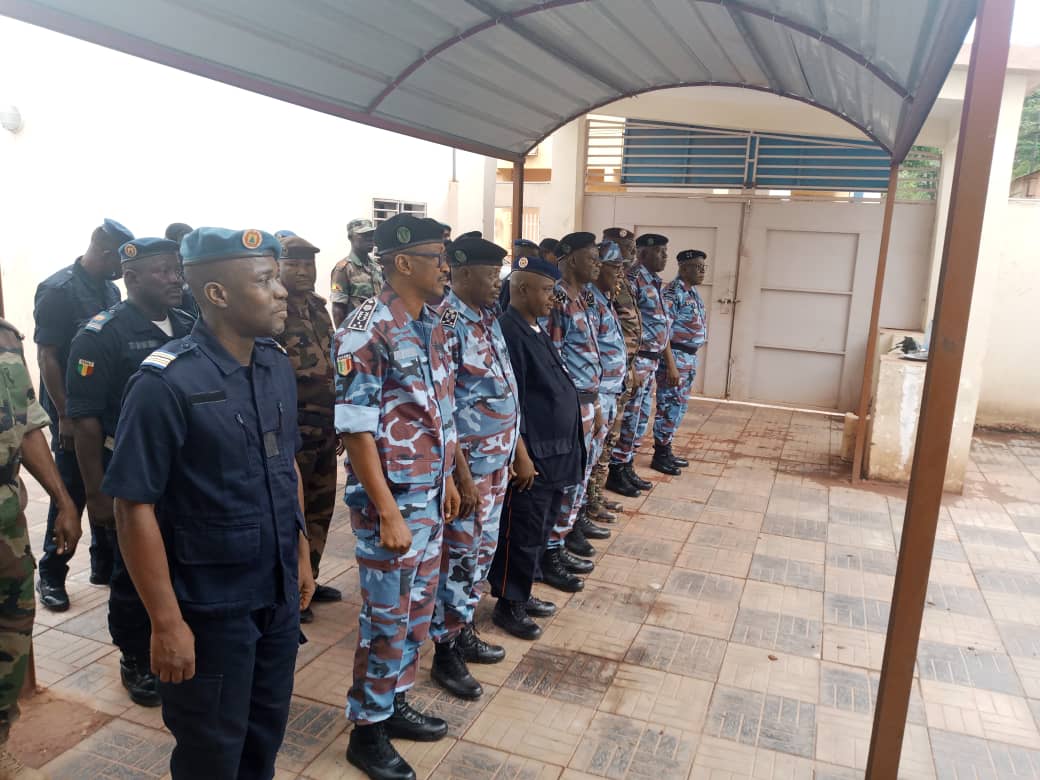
[[103, 356], [550, 426], [64, 302], [209, 515]]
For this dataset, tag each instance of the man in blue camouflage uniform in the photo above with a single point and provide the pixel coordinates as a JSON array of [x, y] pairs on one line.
[[488, 423], [689, 334], [395, 411], [651, 255], [573, 334], [614, 362]]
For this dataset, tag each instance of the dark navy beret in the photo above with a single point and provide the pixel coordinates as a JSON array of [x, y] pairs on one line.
[[536, 265], [690, 254], [117, 231], [617, 234], [474, 251], [610, 253], [652, 239], [209, 244], [548, 245], [572, 242], [522, 247], [140, 248], [402, 231]]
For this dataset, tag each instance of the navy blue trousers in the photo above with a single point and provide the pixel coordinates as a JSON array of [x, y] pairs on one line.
[[229, 719]]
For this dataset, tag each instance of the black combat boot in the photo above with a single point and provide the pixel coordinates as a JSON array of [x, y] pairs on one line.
[[612, 506], [512, 617], [618, 481], [370, 751], [450, 672], [409, 723], [555, 574], [574, 564], [663, 463], [53, 595], [635, 479], [326, 593], [140, 683], [536, 607], [576, 542], [475, 650], [589, 529], [599, 513], [680, 462]]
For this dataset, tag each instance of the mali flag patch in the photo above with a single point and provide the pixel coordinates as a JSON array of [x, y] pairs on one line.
[[85, 367], [344, 364]]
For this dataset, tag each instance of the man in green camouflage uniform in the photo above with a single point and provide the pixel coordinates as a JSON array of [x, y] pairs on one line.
[[22, 421], [308, 342], [357, 277]]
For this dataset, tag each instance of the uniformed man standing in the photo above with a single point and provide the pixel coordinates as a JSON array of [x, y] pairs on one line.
[[488, 423], [208, 511], [102, 358], [357, 277], [395, 411], [632, 329], [652, 254], [614, 362], [64, 302], [573, 334], [22, 442], [689, 334], [176, 231], [521, 248], [307, 339], [552, 460]]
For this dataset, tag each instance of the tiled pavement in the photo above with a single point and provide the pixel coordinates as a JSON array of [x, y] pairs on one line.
[[733, 628]]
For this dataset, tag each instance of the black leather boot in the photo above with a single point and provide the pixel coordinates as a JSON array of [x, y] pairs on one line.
[[599, 513], [53, 595], [326, 593], [512, 617], [370, 751], [140, 683], [450, 672], [589, 529], [574, 564], [475, 650], [555, 574], [578, 544], [536, 607], [618, 481], [680, 462], [409, 723], [635, 479], [663, 463]]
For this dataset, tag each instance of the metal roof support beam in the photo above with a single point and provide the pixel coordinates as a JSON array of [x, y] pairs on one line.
[[859, 445], [983, 94], [518, 199]]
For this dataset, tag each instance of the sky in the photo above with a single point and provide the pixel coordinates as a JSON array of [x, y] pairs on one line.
[[1026, 27]]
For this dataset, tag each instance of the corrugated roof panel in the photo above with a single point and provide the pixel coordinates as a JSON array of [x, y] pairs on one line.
[[427, 66]]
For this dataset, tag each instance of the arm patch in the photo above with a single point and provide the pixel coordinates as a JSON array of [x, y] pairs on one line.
[[360, 319]]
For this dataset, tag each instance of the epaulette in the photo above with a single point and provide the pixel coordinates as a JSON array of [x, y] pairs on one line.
[[589, 298], [99, 320], [269, 342], [362, 315], [560, 296], [162, 358], [449, 318]]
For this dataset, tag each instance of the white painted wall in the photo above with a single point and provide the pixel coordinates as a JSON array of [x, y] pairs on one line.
[[115, 136]]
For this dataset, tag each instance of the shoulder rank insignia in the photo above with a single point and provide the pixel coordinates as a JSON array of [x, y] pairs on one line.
[[362, 315], [449, 318], [560, 296], [98, 321], [589, 298], [159, 359]]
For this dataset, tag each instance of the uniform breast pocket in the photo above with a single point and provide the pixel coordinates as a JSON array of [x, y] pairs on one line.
[[218, 540], [222, 432]]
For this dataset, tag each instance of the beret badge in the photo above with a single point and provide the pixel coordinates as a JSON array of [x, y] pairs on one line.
[[130, 251], [522, 262], [404, 235], [460, 257], [251, 239]]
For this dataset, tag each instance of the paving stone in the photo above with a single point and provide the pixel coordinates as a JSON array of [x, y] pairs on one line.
[[629, 604], [958, 755], [778, 631], [622, 748], [784, 571], [961, 666], [468, 761], [860, 518], [855, 612], [798, 527], [948, 550], [428, 696], [658, 697], [311, 728], [989, 537], [702, 585], [861, 559], [117, 750], [954, 598], [845, 688], [762, 720], [726, 538], [644, 548], [673, 651], [1008, 581], [1020, 639], [563, 674]]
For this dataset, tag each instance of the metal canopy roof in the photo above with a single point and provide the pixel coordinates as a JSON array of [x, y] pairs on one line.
[[497, 76]]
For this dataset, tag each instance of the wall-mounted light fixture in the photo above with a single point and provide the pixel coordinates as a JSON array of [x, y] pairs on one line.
[[11, 119]]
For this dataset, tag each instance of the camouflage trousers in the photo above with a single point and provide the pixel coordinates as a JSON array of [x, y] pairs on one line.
[[636, 416], [574, 496], [398, 594], [469, 547], [672, 401], [17, 609], [318, 468], [608, 403]]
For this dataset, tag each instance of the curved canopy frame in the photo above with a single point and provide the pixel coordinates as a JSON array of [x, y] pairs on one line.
[[497, 76]]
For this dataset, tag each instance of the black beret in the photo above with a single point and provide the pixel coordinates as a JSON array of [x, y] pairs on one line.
[[548, 245], [474, 251], [470, 234], [690, 254], [572, 242], [652, 239], [402, 231]]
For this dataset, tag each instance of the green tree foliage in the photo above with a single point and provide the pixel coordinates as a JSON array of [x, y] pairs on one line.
[[1027, 155]]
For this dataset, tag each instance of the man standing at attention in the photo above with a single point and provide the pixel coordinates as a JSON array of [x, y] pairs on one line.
[[208, 512], [395, 407], [689, 334], [64, 302], [307, 339], [357, 277], [487, 418]]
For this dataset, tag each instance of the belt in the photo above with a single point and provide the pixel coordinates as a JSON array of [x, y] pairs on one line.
[[685, 348], [587, 397], [645, 353], [9, 472]]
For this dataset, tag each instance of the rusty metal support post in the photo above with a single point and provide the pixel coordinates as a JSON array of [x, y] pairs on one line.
[[518, 198], [859, 445], [983, 94]]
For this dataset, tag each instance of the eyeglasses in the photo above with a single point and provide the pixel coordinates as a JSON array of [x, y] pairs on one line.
[[441, 257]]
